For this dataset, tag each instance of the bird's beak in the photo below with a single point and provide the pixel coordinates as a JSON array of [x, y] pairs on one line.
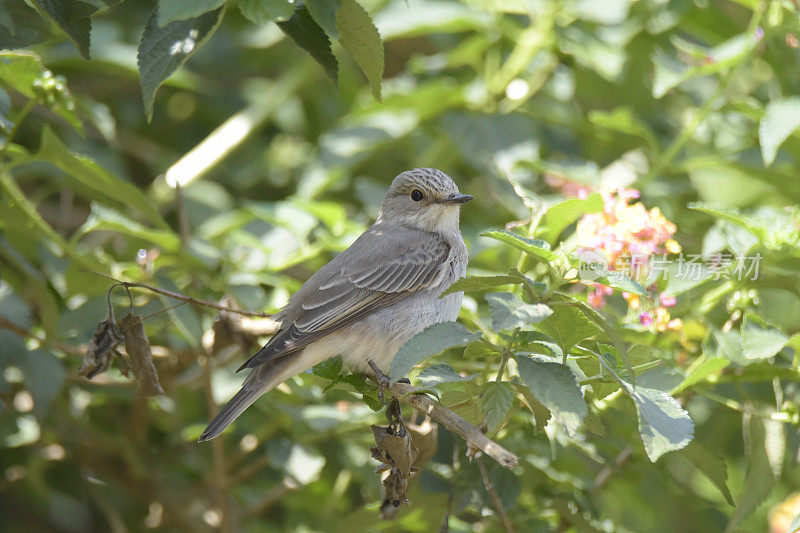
[[456, 199]]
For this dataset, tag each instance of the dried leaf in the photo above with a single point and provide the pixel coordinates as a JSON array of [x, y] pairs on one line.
[[101, 349], [141, 358]]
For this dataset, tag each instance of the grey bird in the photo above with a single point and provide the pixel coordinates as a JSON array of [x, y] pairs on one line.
[[371, 298]]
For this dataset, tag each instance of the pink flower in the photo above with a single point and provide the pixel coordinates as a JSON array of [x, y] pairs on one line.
[[628, 235], [667, 300]]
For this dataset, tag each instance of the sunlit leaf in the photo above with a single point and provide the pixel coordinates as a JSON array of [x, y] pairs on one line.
[[663, 424], [440, 373], [477, 283], [562, 214], [567, 326], [508, 311], [760, 341], [358, 35], [711, 465], [535, 247], [759, 479], [554, 385], [430, 341], [780, 120]]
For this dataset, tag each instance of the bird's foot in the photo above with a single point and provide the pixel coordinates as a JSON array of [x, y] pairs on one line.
[[381, 378]]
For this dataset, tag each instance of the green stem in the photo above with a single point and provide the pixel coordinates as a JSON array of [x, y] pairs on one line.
[[639, 369], [20, 119], [503, 363]]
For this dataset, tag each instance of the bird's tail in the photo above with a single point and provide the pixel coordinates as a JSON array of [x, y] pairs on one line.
[[260, 380]]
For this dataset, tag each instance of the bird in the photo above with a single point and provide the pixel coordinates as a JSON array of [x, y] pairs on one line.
[[371, 298]]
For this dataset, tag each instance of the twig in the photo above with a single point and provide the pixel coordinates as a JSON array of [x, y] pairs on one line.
[[445, 527], [78, 349], [179, 296], [498, 503], [220, 481], [606, 473], [248, 470], [405, 393], [273, 496]]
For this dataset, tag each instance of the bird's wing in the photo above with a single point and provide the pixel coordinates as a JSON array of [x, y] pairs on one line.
[[371, 276]]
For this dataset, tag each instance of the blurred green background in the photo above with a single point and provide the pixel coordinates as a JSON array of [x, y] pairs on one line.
[[684, 100]]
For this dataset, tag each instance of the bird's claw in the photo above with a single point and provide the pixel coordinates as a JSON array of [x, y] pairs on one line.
[[381, 379]]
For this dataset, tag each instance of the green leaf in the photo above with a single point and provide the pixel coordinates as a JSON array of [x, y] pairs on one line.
[[700, 371], [663, 424], [329, 369], [162, 50], [104, 218], [263, 11], [44, 377], [88, 173], [309, 36], [591, 270], [19, 69], [73, 17], [174, 10], [324, 13], [477, 283], [554, 385], [562, 214], [568, 326], [669, 72], [759, 479], [781, 119], [508, 311], [710, 465], [441, 373], [20, 24], [360, 37], [430, 341], [760, 341], [496, 400], [535, 247]]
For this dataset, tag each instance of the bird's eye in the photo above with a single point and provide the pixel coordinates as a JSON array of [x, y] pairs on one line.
[[416, 195]]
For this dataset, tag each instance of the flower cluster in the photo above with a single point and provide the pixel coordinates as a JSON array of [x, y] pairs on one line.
[[626, 233]]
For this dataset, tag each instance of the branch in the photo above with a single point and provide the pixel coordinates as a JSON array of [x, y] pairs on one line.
[[179, 296], [405, 393], [498, 503]]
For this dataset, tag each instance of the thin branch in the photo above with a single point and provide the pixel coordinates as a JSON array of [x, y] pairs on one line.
[[445, 527], [272, 497], [219, 466], [498, 503], [179, 296], [606, 473], [408, 395]]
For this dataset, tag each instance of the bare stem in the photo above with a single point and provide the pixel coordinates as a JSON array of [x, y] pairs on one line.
[[498, 503], [179, 296], [408, 395], [220, 481]]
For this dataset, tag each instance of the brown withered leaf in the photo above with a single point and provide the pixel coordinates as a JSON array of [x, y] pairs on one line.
[[141, 358], [402, 450], [101, 349], [425, 438]]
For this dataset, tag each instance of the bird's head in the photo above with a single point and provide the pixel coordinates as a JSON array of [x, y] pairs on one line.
[[423, 198]]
